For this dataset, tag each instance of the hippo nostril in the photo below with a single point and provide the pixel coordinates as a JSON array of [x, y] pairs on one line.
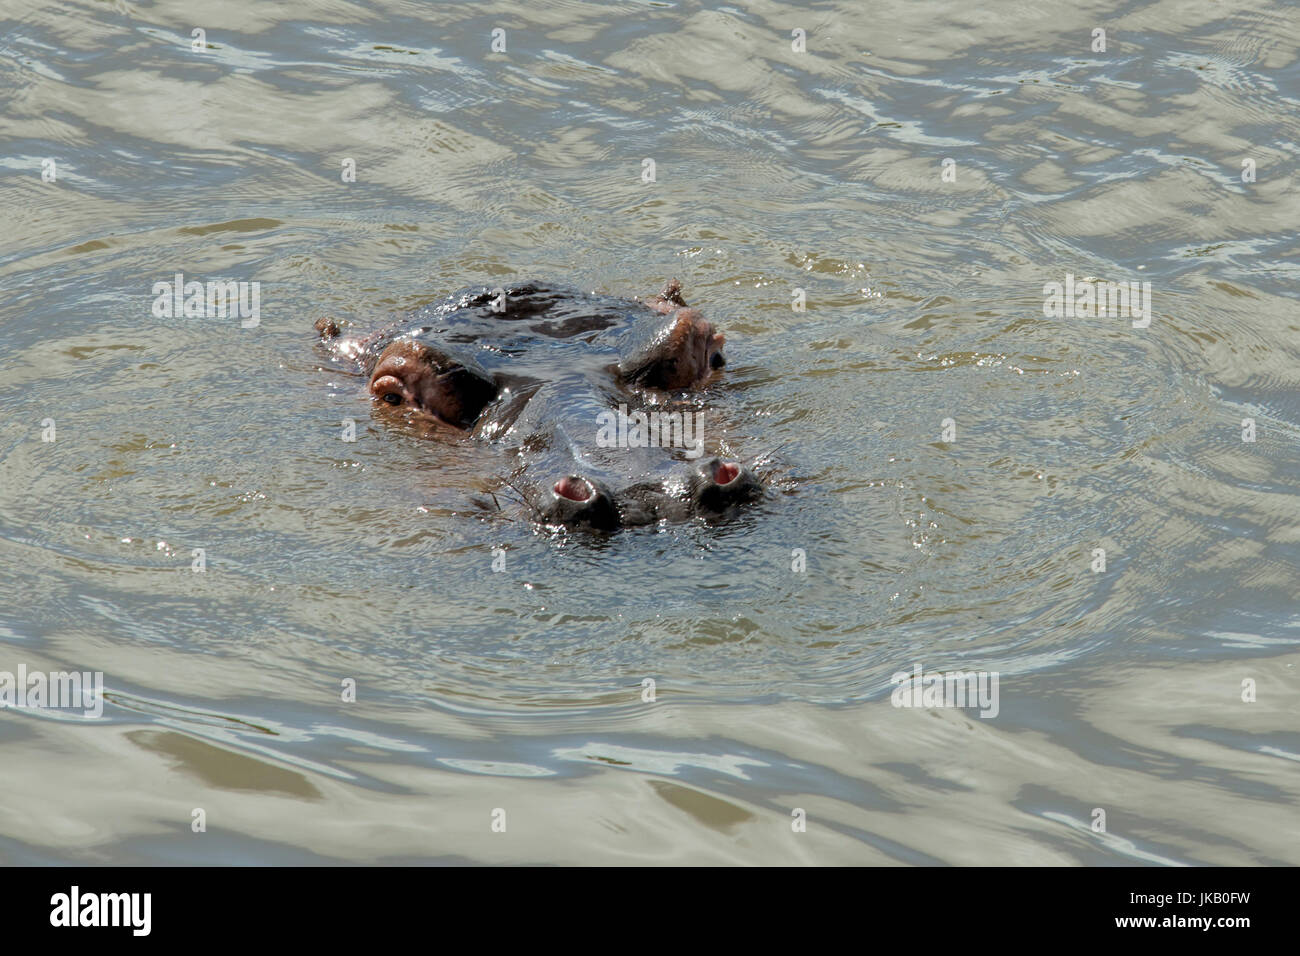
[[574, 488], [725, 473]]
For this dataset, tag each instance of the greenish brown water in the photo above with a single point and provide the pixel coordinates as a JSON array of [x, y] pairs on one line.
[[774, 171]]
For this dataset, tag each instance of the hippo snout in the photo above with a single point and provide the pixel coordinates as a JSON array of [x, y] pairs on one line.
[[717, 484], [575, 500]]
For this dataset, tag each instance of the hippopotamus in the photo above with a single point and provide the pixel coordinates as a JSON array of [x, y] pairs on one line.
[[550, 372]]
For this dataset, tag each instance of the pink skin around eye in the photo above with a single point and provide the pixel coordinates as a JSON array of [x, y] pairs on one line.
[[385, 385], [404, 369], [407, 369]]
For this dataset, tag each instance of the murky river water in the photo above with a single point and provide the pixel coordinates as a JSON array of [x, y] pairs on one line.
[[949, 461]]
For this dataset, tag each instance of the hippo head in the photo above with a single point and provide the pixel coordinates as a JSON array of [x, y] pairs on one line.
[[681, 352], [716, 485], [427, 381], [574, 500]]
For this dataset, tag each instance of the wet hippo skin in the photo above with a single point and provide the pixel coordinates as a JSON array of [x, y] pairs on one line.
[[533, 366]]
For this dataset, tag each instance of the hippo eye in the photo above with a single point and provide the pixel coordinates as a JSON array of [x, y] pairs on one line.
[[392, 398]]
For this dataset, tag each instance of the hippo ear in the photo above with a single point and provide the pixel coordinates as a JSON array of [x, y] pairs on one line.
[[673, 293]]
